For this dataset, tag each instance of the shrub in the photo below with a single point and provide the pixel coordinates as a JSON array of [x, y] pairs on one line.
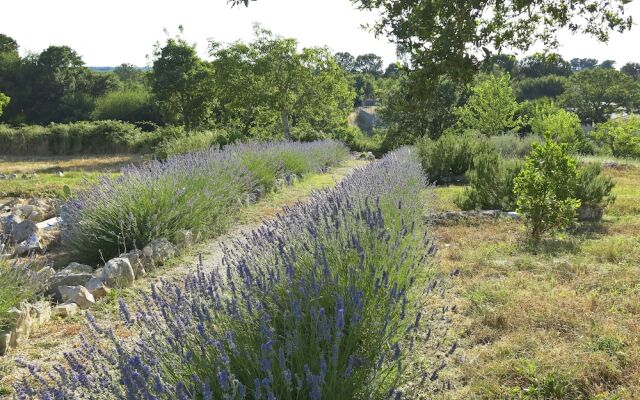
[[174, 145], [563, 127], [545, 189], [592, 189], [198, 191], [621, 136], [513, 145], [322, 303], [491, 183], [98, 137], [17, 284], [491, 108], [130, 105], [450, 156]]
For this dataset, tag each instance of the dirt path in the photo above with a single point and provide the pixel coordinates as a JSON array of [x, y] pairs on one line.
[[50, 342]]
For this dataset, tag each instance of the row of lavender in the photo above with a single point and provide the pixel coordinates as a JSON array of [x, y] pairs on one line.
[[199, 192], [322, 303]]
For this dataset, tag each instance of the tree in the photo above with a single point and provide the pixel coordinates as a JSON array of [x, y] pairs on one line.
[[578, 64], [607, 64], [392, 71], [545, 189], [550, 86], [8, 44], [620, 135], [369, 64], [409, 114], [182, 84], [491, 108], [539, 65], [448, 34], [128, 74], [632, 69], [501, 63], [446, 37], [595, 94], [270, 80], [4, 100], [346, 61]]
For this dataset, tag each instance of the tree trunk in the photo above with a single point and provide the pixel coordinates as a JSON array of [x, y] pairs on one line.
[[285, 123]]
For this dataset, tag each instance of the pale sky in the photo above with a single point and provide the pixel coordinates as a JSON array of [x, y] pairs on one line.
[[108, 33]]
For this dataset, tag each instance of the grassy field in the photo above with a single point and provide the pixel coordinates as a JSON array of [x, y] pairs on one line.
[[558, 321], [46, 182]]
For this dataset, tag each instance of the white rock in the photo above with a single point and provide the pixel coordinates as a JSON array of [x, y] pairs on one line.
[[78, 268], [160, 251], [65, 310], [77, 294], [5, 342], [118, 273]]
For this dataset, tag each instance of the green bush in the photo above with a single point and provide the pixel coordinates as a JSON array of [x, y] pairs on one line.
[[545, 189], [177, 141], [449, 157], [491, 183], [592, 189], [17, 284], [513, 145], [563, 127], [621, 136], [99, 137], [129, 105]]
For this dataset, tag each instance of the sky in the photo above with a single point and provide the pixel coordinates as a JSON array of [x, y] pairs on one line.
[[109, 33]]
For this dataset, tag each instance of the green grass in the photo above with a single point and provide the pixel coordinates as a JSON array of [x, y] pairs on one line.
[[556, 321], [48, 184]]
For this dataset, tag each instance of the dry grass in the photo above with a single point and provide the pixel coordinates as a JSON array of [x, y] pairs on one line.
[[46, 183], [26, 165], [560, 321]]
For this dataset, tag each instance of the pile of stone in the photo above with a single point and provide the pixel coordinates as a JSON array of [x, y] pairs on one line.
[[77, 287], [27, 225], [456, 217]]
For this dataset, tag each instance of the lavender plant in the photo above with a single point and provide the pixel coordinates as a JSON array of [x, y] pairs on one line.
[[320, 303], [199, 191]]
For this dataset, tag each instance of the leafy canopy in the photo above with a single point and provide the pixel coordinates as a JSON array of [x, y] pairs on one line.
[[595, 94], [450, 37], [491, 108], [4, 100]]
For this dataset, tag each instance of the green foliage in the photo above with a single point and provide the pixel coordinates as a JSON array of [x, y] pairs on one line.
[[201, 192], [621, 136], [513, 145], [592, 189], [631, 69], [17, 284], [550, 86], [4, 100], [563, 127], [540, 65], [595, 94], [98, 137], [415, 107], [182, 84], [132, 104], [491, 182], [446, 38], [545, 189], [189, 142], [491, 108], [450, 156], [270, 85]]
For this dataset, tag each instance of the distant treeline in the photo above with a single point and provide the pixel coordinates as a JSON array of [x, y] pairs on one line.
[[270, 88]]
